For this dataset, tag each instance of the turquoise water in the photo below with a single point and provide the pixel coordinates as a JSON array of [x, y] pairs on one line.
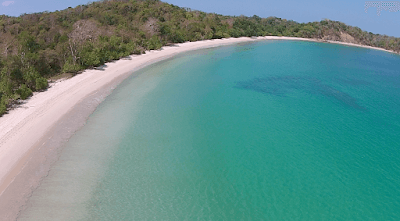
[[273, 130]]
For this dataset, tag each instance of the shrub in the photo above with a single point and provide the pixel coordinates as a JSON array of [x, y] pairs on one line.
[[3, 109], [154, 43], [70, 68], [3, 105], [41, 83], [24, 91]]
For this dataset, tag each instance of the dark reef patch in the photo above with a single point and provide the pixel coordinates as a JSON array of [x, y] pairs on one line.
[[283, 86], [352, 82]]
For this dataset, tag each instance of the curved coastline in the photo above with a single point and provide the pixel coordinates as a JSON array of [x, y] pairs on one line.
[[31, 135]]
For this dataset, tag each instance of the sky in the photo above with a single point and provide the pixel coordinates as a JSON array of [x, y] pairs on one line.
[[351, 12]]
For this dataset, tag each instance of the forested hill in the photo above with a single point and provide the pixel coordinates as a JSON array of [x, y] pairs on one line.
[[36, 47]]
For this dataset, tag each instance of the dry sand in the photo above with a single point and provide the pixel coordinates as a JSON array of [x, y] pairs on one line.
[[25, 131]]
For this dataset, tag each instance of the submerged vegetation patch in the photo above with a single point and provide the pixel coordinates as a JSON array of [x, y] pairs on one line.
[[284, 86]]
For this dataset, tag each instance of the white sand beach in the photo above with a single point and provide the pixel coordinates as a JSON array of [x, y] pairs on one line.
[[26, 128]]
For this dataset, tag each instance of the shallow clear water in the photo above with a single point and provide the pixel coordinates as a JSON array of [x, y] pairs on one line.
[[273, 130]]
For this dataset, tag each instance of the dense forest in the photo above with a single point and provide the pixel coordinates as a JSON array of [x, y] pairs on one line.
[[36, 47]]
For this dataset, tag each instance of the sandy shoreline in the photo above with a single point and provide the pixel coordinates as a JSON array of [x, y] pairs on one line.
[[31, 135]]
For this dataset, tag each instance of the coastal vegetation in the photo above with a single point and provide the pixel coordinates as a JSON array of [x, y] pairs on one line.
[[36, 47]]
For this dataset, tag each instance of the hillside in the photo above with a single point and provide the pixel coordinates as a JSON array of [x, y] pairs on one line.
[[36, 47]]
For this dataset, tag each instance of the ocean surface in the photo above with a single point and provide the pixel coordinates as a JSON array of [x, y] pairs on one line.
[[272, 130]]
